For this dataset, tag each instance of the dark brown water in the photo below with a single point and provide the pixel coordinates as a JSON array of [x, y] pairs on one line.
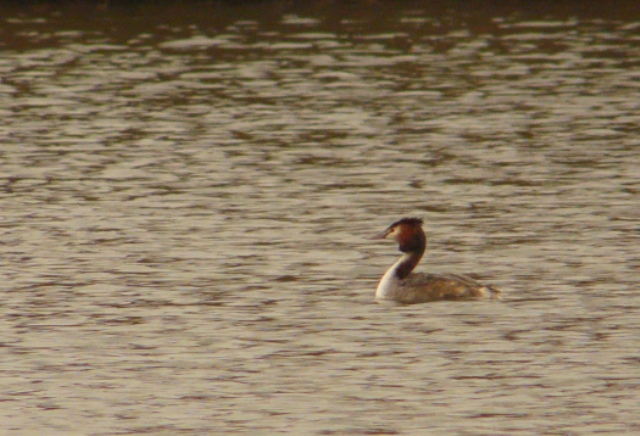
[[188, 188]]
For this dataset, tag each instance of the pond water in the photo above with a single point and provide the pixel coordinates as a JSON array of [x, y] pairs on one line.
[[188, 190]]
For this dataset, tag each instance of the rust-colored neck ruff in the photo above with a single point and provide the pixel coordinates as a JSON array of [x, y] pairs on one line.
[[413, 242]]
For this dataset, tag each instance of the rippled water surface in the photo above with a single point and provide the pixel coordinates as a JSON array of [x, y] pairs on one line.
[[187, 190]]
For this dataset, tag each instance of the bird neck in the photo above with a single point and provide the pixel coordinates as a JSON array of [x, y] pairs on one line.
[[412, 244], [403, 267]]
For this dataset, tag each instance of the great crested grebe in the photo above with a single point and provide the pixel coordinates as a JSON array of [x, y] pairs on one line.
[[401, 285]]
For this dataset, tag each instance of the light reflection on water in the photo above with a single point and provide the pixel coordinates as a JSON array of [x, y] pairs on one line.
[[186, 210]]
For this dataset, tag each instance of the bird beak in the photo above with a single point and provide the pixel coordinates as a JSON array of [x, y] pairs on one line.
[[382, 235]]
